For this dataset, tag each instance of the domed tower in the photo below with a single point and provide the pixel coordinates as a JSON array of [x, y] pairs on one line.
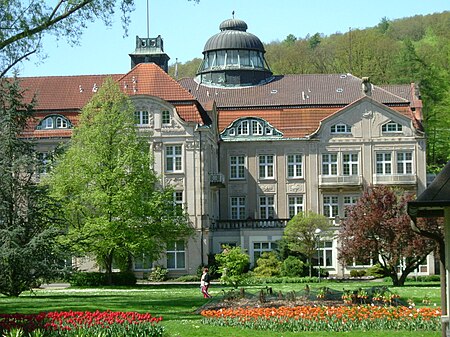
[[233, 58]]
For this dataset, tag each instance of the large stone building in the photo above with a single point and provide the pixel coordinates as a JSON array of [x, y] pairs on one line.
[[246, 150]]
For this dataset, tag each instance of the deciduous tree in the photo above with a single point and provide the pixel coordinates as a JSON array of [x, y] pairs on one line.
[[111, 196], [379, 228], [301, 232]]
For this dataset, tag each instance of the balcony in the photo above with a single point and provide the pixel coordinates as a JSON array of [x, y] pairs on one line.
[[248, 224], [216, 180], [395, 179], [340, 180]]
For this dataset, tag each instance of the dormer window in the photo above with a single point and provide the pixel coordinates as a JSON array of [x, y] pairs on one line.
[[141, 118], [242, 128], [341, 128], [54, 122], [165, 118], [257, 128], [392, 127], [251, 127]]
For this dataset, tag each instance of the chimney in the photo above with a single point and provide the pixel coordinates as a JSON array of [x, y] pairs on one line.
[[366, 86]]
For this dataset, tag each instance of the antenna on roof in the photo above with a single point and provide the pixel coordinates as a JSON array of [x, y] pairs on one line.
[[148, 20]]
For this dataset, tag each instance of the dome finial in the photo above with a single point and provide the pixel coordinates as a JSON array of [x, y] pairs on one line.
[[232, 13]]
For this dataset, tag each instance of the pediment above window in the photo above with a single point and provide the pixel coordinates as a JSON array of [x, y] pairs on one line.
[[251, 128]]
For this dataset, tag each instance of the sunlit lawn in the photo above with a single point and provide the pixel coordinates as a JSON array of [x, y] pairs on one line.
[[177, 303]]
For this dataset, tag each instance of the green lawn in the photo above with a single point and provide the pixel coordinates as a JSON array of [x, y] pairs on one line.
[[177, 303]]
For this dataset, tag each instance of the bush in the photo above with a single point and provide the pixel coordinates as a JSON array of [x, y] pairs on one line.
[[159, 274], [376, 271], [96, 279], [233, 264], [187, 278], [124, 279], [358, 273], [267, 265], [88, 279], [293, 267]]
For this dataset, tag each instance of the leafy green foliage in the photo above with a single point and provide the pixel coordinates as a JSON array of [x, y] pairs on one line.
[[293, 267], [28, 216], [110, 195], [300, 233], [158, 274], [95, 279], [267, 265], [233, 264]]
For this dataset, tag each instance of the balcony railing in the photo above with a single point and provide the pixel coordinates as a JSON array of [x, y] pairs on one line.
[[248, 224], [217, 180], [398, 179], [351, 180]]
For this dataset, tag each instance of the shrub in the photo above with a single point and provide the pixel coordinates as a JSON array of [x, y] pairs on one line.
[[267, 265], [158, 274], [187, 278], [88, 279], [376, 271], [233, 263], [124, 279], [293, 267], [357, 273]]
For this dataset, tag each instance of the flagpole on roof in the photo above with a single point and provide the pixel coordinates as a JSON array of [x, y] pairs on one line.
[[148, 19]]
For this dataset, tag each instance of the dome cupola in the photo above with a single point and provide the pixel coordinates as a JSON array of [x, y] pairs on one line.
[[233, 58]]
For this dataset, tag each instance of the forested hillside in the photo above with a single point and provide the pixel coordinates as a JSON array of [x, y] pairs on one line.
[[415, 49]]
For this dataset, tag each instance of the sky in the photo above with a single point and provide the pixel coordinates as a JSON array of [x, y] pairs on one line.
[[185, 26]]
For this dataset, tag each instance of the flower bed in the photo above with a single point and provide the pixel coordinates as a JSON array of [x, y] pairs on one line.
[[323, 318], [86, 324]]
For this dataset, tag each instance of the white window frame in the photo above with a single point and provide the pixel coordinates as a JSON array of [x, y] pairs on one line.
[[404, 162], [330, 206], [257, 128], [266, 206], [238, 208], [179, 255], [243, 128], [392, 127], [330, 164], [350, 165], [237, 167], [325, 250], [341, 128], [174, 158], [178, 198], [260, 247], [142, 117], [48, 123], [61, 123], [295, 204], [266, 166], [383, 165], [348, 201], [294, 165], [144, 262]]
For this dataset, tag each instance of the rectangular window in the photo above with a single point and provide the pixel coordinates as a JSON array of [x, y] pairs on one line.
[[329, 164], [261, 247], [326, 253], [257, 128], [165, 118], [384, 163], [48, 123], [237, 208], [266, 166], [295, 204], [141, 118], [178, 199], [242, 128], [349, 200], [267, 207], [294, 166], [237, 167], [44, 162], [174, 158], [176, 255], [404, 162], [350, 164], [142, 262], [392, 127], [330, 206]]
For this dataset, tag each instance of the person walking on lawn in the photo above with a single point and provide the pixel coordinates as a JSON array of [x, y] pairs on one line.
[[204, 283]]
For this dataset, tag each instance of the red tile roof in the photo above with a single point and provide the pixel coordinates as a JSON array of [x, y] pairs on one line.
[[67, 95]]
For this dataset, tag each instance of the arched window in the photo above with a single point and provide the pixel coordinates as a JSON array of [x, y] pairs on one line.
[[54, 122], [341, 128], [392, 127]]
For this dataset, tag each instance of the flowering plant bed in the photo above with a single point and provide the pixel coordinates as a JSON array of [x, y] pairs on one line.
[[327, 318], [81, 323]]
